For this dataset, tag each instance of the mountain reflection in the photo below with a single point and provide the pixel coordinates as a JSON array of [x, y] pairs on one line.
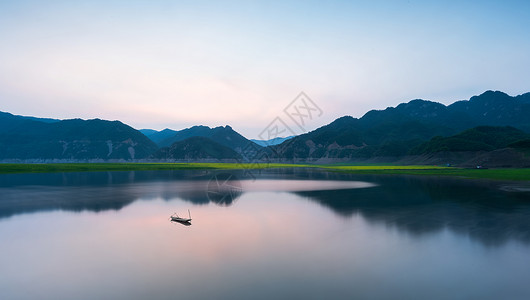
[[96, 191], [419, 206], [485, 212]]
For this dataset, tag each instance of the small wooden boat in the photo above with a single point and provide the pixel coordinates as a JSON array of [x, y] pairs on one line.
[[175, 218]]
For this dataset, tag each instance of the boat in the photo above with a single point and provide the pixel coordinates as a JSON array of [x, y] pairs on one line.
[[175, 218]]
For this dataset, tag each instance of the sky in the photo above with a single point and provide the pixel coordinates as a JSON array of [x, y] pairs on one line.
[[158, 64]]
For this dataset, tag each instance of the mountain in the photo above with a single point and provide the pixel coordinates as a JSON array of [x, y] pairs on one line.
[[158, 136], [496, 109], [483, 138], [350, 138], [148, 132], [524, 98], [194, 148], [45, 120], [225, 136], [271, 142], [393, 132], [27, 138], [521, 145]]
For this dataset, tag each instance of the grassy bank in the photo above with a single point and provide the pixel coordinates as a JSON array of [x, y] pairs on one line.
[[95, 167], [497, 174], [500, 174]]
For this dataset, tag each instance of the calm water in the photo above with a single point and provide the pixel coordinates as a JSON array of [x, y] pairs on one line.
[[288, 234]]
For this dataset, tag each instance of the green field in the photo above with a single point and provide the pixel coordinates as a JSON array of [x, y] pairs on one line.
[[87, 167], [500, 174]]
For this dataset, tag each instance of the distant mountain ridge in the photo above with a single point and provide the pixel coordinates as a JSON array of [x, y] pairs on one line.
[[196, 147], [272, 142], [496, 108], [158, 136], [393, 132], [482, 138], [223, 135], [75, 139]]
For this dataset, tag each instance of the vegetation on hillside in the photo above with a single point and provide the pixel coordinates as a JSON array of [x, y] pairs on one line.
[[482, 138], [196, 148], [396, 131], [76, 139]]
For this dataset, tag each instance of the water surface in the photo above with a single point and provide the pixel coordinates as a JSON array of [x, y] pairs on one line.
[[287, 234]]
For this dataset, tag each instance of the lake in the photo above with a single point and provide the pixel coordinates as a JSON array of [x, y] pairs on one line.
[[291, 233]]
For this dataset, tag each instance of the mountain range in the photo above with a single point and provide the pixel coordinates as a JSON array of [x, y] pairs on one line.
[[223, 135], [195, 148], [413, 129], [395, 131], [482, 138], [26, 138]]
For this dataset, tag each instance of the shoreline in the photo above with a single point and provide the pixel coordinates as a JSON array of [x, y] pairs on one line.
[[512, 174]]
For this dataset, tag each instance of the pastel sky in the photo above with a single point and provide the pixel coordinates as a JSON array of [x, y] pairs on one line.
[[158, 64]]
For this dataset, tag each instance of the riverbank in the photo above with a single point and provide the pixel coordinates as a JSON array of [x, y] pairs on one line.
[[423, 170]]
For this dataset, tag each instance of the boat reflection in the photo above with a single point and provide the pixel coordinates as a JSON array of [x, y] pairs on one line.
[[185, 223]]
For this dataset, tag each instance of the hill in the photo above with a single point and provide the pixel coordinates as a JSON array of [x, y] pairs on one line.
[[393, 132], [76, 139], [271, 142], [496, 108], [390, 134], [158, 136], [195, 148], [223, 135], [483, 138], [521, 145]]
